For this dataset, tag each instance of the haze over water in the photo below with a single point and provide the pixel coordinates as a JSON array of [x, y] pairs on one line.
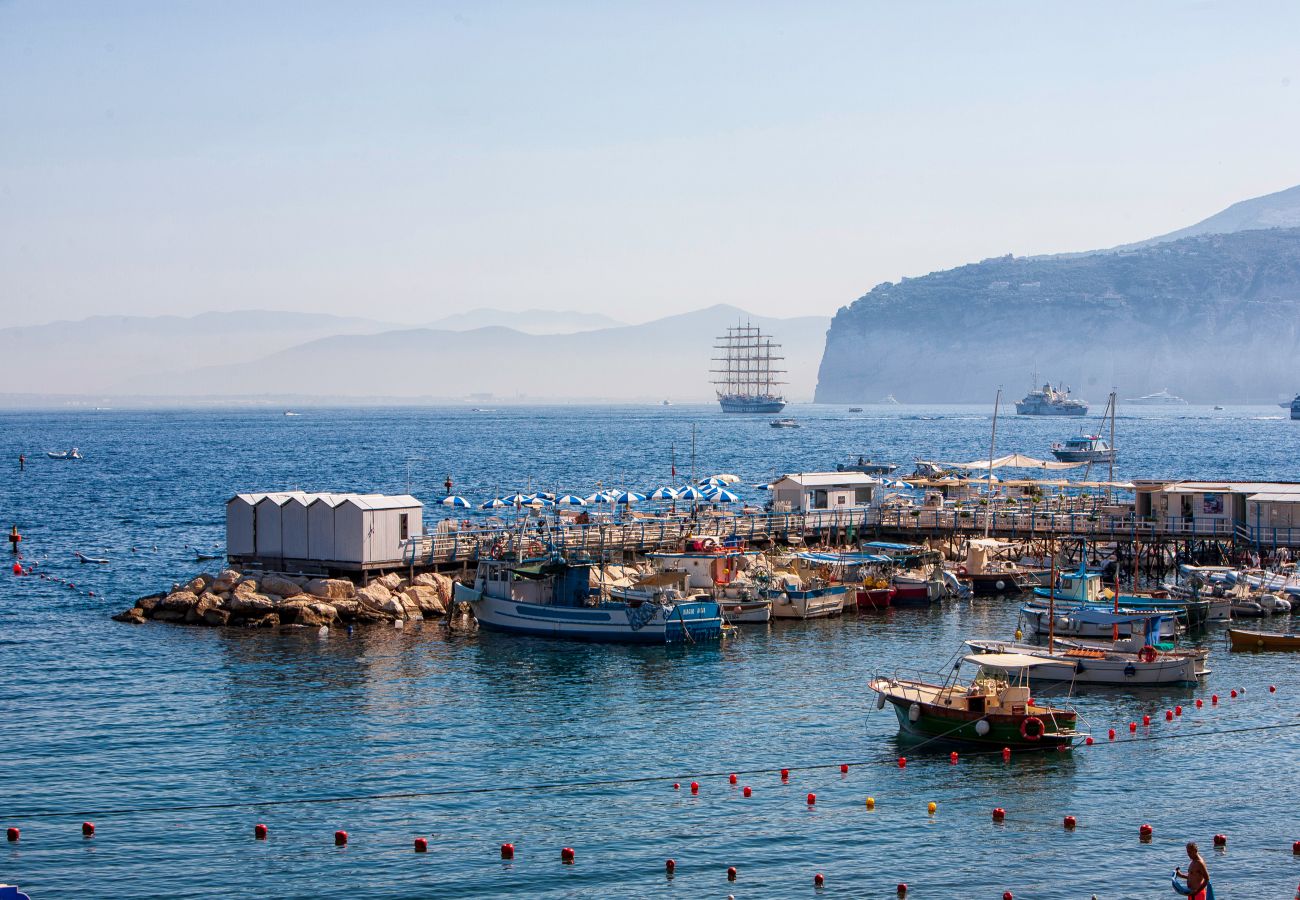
[[102, 717]]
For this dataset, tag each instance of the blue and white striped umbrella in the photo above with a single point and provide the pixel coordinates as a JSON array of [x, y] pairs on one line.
[[570, 500], [459, 502], [545, 495], [517, 499], [539, 502], [664, 493], [495, 503], [625, 497], [712, 481], [722, 496], [762, 487], [691, 493]]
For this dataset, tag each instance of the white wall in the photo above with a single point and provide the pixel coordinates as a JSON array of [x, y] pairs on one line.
[[239, 527], [320, 530], [269, 541], [294, 528]]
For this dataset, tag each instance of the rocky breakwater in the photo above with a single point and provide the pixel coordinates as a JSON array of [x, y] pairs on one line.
[[272, 601]]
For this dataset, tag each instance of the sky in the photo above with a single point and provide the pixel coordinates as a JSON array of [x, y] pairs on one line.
[[405, 161]]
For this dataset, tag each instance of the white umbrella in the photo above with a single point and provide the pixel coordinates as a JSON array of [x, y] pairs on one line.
[[495, 503], [724, 478], [570, 500], [664, 493], [453, 500]]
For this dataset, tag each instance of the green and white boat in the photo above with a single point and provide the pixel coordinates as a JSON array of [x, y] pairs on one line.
[[995, 709]]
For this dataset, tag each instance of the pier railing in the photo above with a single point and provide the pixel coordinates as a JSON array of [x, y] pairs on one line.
[[599, 539]]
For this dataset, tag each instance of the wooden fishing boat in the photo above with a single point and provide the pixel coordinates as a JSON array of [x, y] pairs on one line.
[[1262, 640], [1121, 662], [817, 602], [994, 710]]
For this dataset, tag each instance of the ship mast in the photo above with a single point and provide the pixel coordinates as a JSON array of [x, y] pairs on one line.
[[747, 363]]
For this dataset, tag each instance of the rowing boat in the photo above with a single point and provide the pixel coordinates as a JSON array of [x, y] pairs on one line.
[[1262, 640]]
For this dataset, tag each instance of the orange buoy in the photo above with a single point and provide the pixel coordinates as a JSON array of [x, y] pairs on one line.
[[507, 851], [12, 833], [567, 855], [812, 799], [340, 838], [259, 831], [747, 791], [421, 845], [1070, 822], [733, 778], [844, 768], [87, 829], [902, 762], [695, 787], [1145, 832], [731, 873], [669, 866], [819, 879]]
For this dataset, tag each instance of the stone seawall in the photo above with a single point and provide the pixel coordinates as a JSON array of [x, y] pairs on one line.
[[267, 600]]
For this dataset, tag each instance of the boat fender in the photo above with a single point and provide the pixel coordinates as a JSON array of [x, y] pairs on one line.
[[982, 727], [880, 701], [1147, 654], [961, 570], [1130, 670], [913, 712], [1000, 584], [1031, 729]]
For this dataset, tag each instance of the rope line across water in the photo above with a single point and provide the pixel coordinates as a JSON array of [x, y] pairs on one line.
[[569, 785]]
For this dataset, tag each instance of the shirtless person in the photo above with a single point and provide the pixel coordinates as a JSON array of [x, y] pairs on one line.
[[1197, 875]]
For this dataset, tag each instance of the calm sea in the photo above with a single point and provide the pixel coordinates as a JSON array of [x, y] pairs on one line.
[[168, 737]]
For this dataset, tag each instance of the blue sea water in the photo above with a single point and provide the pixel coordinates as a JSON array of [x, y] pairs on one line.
[[175, 740]]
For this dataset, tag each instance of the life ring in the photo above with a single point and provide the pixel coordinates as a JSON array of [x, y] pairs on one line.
[[534, 548], [1032, 729], [494, 552], [1147, 654], [961, 570]]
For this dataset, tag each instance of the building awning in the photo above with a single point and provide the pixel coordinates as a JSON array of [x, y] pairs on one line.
[[1275, 498]]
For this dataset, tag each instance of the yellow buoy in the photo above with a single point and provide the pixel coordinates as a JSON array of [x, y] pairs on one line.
[[1020, 635], [932, 807], [871, 803]]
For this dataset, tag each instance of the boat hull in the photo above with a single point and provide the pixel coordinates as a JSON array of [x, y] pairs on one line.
[[874, 598], [1000, 582], [1075, 456], [740, 404], [1243, 640], [1044, 409], [696, 621], [1086, 668], [959, 726], [747, 612], [1070, 625], [820, 603], [915, 592]]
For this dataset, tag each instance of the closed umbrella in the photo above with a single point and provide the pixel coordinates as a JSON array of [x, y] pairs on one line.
[[458, 502]]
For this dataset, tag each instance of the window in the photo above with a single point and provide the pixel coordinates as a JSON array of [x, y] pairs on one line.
[[403, 529], [840, 499], [862, 497]]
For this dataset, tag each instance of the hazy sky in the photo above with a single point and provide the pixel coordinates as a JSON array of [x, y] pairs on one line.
[[404, 161]]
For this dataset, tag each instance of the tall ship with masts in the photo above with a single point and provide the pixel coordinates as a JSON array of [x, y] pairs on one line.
[[748, 379]]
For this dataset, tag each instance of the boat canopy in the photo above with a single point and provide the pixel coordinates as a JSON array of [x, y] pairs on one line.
[[885, 545], [1008, 660], [845, 559]]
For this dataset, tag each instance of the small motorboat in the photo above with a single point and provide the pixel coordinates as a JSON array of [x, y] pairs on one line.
[[74, 453], [1241, 639], [784, 423], [1084, 448], [855, 409], [995, 709], [1120, 662], [91, 559], [200, 556]]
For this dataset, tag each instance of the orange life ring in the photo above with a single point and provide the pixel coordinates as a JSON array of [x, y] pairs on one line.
[[1147, 654], [1037, 731]]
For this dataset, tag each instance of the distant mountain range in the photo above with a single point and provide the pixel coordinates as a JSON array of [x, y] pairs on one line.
[[529, 321], [1211, 311], [281, 355]]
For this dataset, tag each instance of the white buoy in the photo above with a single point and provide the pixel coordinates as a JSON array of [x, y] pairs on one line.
[[397, 623], [323, 631]]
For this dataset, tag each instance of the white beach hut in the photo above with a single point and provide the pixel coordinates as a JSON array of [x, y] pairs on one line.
[[295, 527], [369, 529], [268, 524], [241, 531], [320, 526]]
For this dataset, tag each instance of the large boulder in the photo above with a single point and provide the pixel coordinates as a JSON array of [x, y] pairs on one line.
[[270, 620], [199, 584], [280, 586], [392, 581], [347, 609], [194, 615], [247, 586], [178, 601], [226, 581], [249, 605], [331, 588], [148, 604], [306, 610], [133, 616], [426, 599], [374, 595], [216, 616]]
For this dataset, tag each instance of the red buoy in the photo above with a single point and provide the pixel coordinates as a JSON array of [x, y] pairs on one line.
[[1006, 754], [785, 774], [87, 829], [1070, 822], [1214, 699], [1007, 895], [676, 786], [507, 851], [952, 757], [999, 814], [747, 791], [670, 865], [844, 768], [421, 845], [902, 889], [1111, 734], [567, 855], [1178, 710], [732, 779], [18, 568], [11, 833], [1146, 721], [695, 787], [1169, 715], [812, 799], [731, 873], [1272, 688], [1199, 702], [1145, 832], [819, 879], [1232, 693], [1295, 848], [902, 762], [259, 831], [1220, 840], [340, 838], [1088, 740]]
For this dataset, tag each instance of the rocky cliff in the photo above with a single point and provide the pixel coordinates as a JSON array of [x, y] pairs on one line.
[[1213, 317]]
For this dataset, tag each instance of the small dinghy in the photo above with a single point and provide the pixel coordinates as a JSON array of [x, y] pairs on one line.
[[200, 556], [90, 559], [74, 453]]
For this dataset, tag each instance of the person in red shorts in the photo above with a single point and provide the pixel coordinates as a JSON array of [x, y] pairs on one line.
[[1198, 877]]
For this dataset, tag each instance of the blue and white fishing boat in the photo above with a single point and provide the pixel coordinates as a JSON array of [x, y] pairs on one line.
[[1084, 588], [552, 598]]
